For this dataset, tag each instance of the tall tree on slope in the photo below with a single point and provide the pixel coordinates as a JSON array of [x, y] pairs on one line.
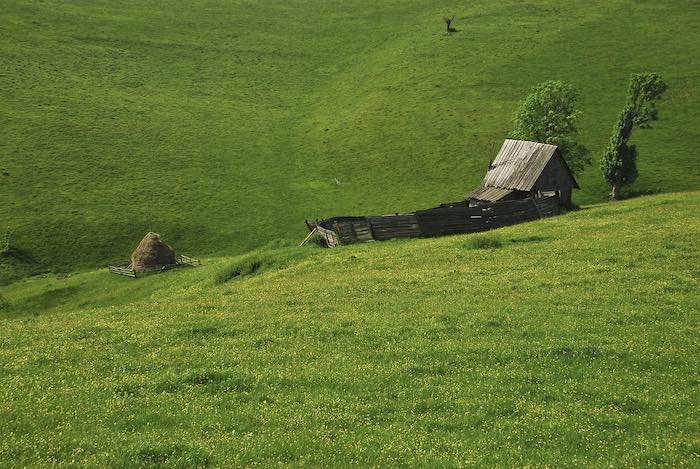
[[619, 163]]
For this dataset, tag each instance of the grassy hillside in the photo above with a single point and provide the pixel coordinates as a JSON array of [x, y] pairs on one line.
[[573, 343], [223, 125]]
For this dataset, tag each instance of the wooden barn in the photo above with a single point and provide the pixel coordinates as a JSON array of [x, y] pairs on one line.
[[525, 169], [527, 181]]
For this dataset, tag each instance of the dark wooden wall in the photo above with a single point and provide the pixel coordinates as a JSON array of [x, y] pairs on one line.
[[555, 177], [439, 221]]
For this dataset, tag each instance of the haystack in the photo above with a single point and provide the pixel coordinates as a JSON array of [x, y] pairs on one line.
[[151, 253]]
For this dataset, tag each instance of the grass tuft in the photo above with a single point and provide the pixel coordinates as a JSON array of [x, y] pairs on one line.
[[175, 456], [484, 242]]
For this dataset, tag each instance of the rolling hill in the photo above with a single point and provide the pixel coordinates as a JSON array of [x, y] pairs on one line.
[[570, 341], [223, 125]]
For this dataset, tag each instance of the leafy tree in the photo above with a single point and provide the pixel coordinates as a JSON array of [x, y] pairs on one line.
[[548, 115], [619, 163]]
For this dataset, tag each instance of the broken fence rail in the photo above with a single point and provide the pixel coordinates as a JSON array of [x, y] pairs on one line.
[[126, 269]]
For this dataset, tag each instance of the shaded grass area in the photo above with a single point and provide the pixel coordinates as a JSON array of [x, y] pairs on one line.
[[50, 292], [222, 132], [258, 262], [575, 341]]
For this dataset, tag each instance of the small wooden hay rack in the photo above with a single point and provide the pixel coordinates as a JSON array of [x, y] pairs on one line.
[[127, 270]]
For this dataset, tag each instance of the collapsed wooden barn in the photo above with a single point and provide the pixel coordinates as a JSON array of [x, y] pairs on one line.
[[526, 181], [444, 220]]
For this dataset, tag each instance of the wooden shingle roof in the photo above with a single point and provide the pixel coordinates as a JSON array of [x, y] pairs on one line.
[[518, 164], [490, 194]]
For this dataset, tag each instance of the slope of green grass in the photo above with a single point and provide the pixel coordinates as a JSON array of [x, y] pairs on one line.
[[223, 125], [570, 341]]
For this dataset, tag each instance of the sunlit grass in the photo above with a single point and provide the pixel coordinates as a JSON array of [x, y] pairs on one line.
[[574, 342]]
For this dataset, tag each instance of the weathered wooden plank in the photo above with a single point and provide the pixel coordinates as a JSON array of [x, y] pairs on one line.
[[548, 206], [353, 230], [528, 215], [126, 271], [329, 236], [449, 219], [518, 164], [396, 226], [187, 260], [532, 214]]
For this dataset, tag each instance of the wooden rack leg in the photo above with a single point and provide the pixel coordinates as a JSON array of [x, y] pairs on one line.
[[308, 237]]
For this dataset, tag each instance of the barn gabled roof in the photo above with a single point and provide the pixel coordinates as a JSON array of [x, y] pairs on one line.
[[519, 163]]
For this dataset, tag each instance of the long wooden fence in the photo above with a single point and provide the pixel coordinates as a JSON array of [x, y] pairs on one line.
[[446, 219]]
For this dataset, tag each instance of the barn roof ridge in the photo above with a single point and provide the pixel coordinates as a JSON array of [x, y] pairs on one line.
[[519, 163]]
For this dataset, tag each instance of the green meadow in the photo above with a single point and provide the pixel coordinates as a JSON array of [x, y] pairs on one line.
[[223, 125], [566, 342], [570, 341]]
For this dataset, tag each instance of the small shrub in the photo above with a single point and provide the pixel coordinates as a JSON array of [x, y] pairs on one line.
[[484, 242], [529, 239]]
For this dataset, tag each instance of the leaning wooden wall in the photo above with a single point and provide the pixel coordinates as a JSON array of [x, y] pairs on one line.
[[395, 226], [441, 221], [511, 212], [444, 220]]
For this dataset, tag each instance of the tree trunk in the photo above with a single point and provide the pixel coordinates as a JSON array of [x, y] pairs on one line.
[[616, 189]]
